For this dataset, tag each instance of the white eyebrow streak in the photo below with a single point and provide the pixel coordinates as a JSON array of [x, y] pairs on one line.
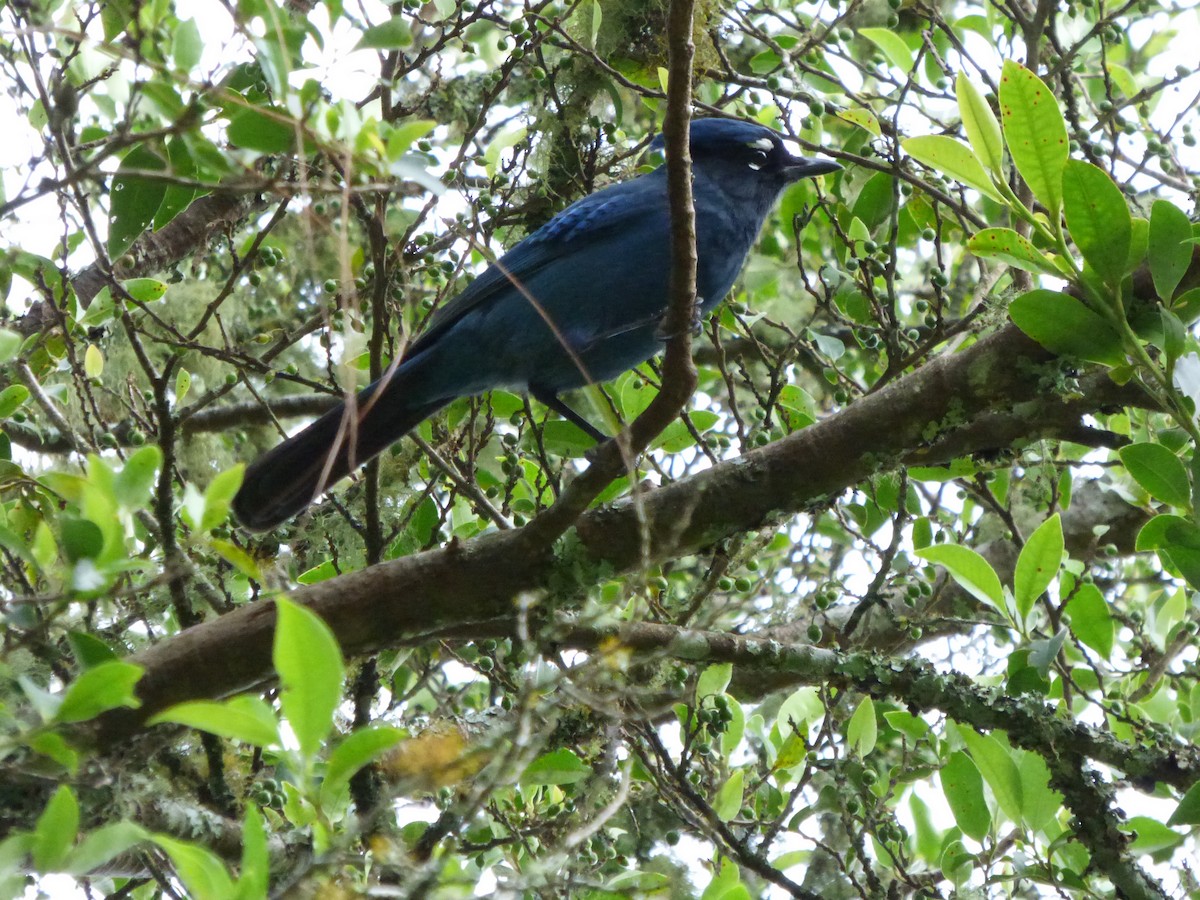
[[762, 144]]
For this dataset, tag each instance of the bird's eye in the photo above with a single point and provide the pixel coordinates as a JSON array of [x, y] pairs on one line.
[[758, 159]]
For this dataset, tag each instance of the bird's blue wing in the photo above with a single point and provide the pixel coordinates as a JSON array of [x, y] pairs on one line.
[[615, 209]]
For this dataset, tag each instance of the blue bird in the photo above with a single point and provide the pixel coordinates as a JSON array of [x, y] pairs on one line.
[[579, 301]]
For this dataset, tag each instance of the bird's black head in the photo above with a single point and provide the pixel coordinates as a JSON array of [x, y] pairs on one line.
[[749, 147]]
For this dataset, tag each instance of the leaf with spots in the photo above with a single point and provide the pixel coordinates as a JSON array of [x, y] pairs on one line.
[[1007, 246], [1035, 132], [863, 118]]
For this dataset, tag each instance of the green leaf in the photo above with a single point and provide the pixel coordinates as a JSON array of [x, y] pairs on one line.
[[56, 829], [861, 117], [1040, 802], [996, 766], [892, 45], [983, 131], [1174, 336], [1009, 247], [1035, 132], [238, 558], [202, 872], [726, 884], [963, 787], [764, 62], [114, 16], [875, 202], [1188, 810], [10, 344], [862, 730], [1038, 564], [356, 750], [247, 719], [1165, 532], [255, 876], [1090, 620], [957, 864], [973, 573], [81, 539], [101, 688], [1152, 835], [597, 20], [93, 362], [178, 197], [801, 707], [677, 436], [89, 651], [134, 199], [728, 801], [1159, 471], [103, 845], [556, 767], [51, 744], [393, 34], [1063, 325], [1139, 240], [404, 135], [186, 45], [1098, 219], [309, 663], [950, 157], [928, 838], [145, 290], [132, 485], [1169, 247], [12, 398], [713, 680], [219, 494], [267, 131]]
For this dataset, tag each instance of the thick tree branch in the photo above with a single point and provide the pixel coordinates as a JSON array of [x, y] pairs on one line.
[[448, 590]]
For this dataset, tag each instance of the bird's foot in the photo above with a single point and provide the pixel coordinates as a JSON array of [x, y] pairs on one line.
[[593, 453], [697, 324]]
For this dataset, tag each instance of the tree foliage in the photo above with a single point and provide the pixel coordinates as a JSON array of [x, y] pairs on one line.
[[902, 603]]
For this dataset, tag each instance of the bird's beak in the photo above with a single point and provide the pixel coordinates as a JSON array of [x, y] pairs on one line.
[[805, 167]]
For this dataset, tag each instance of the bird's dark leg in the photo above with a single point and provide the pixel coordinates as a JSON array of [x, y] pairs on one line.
[[697, 322], [550, 399]]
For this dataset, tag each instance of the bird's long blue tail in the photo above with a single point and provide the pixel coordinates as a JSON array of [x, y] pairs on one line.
[[283, 481]]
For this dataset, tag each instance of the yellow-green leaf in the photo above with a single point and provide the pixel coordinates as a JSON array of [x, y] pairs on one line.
[[972, 572], [1009, 247], [1038, 563], [310, 667], [1035, 132], [93, 361], [862, 729], [950, 157], [892, 45], [983, 130], [863, 118]]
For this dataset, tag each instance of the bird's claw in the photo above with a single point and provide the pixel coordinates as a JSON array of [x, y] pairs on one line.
[[696, 327], [593, 453]]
